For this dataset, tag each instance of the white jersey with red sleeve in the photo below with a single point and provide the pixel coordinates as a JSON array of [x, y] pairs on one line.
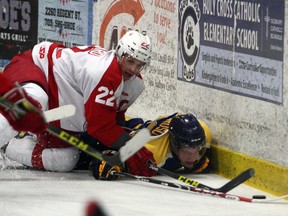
[[90, 78], [131, 91]]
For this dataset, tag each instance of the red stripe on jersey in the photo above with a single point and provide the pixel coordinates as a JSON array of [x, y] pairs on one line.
[[52, 85]]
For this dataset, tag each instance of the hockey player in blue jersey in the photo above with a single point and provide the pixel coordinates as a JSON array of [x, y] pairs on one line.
[[178, 142], [181, 141]]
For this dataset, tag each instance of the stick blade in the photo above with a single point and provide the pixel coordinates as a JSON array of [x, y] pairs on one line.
[[134, 144], [130, 148], [60, 113], [244, 176]]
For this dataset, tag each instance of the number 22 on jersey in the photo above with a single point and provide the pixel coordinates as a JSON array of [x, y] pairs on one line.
[[105, 97]]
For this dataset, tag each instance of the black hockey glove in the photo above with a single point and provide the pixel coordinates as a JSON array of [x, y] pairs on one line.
[[102, 170]]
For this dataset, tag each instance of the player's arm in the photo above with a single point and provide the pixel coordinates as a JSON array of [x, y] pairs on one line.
[[103, 126], [102, 94]]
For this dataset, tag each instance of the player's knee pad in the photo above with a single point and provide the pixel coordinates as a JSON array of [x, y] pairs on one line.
[[60, 159]]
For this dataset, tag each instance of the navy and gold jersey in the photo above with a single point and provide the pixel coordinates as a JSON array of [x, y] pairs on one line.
[[160, 146]]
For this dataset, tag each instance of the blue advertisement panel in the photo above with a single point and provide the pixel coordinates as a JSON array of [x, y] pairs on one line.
[[235, 46], [66, 22], [18, 28]]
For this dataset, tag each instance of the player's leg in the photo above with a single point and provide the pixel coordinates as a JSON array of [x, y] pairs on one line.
[[31, 151]]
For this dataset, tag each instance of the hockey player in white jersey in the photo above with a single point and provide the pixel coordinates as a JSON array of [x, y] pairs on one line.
[[101, 84]]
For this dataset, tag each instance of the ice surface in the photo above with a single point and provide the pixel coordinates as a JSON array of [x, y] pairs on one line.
[[31, 193]]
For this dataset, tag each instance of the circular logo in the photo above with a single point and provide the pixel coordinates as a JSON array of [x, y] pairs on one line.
[[189, 37]]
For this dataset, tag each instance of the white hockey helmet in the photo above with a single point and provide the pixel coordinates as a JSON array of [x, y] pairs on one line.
[[136, 45]]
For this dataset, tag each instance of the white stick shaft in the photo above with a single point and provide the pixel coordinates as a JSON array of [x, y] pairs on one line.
[[60, 113], [134, 144]]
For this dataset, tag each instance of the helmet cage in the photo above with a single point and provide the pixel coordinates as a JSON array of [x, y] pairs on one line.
[[186, 132], [176, 144]]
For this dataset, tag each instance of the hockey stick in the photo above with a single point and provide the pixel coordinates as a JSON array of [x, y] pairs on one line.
[[131, 147], [59, 113], [197, 190], [224, 189]]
